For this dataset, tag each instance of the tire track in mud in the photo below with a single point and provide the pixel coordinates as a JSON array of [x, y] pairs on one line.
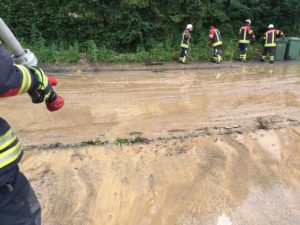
[[86, 189], [70, 192]]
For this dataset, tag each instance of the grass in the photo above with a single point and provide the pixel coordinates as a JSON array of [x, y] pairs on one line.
[[161, 52], [136, 139], [96, 142], [55, 52]]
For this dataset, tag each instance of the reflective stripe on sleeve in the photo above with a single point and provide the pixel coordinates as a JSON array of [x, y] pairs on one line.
[[7, 139], [11, 155], [26, 81]]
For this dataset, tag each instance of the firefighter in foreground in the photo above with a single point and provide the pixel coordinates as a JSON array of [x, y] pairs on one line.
[[270, 42], [18, 203], [185, 42], [245, 33], [215, 40]]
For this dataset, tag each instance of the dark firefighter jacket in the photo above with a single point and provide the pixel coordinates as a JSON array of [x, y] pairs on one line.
[[215, 37], [270, 37], [186, 36]]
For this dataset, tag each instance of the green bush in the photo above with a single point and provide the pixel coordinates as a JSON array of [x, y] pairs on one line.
[[161, 52], [55, 52], [141, 55], [107, 28], [199, 52], [135, 30], [92, 51]]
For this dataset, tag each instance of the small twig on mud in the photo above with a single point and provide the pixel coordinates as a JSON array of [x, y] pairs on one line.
[[262, 124]]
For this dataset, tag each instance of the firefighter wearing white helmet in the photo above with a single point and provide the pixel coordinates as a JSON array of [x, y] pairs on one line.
[[185, 42], [270, 42], [189, 27], [245, 33]]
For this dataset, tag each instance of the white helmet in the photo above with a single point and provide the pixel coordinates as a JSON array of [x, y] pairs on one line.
[[271, 26], [189, 27], [248, 21]]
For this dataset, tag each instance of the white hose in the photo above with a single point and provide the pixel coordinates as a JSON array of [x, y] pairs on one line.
[[9, 38]]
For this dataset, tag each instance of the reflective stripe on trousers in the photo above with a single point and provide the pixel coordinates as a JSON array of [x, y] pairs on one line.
[[271, 51], [183, 55], [243, 51]]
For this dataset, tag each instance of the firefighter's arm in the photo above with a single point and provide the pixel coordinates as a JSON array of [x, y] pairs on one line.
[[251, 33], [265, 36], [11, 79], [279, 33], [211, 36], [209, 40], [18, 79]]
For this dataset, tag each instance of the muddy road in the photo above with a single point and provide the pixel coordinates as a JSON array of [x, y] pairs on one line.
[[172, 103], [223, 147]]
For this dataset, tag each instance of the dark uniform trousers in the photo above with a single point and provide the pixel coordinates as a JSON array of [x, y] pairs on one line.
[[217, 51], [18, 203], [243, 51], [183, 54], [217, 54], [271, 51]]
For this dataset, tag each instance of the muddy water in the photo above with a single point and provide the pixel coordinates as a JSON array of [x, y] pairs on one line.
[[159, 104], [220, 170]]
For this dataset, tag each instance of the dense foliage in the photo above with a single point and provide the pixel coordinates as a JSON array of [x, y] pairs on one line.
[[104, 27]]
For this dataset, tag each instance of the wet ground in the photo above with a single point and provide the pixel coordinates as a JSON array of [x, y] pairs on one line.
[[223, 146], [160, 104]]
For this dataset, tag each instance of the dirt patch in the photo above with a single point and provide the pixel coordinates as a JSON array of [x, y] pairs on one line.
[[188, 181]]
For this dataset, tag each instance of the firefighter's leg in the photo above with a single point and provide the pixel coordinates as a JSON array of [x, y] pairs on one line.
[[272, 54], [217, 54], [183, 55], [264, 55], [18, 203], [243, 50]]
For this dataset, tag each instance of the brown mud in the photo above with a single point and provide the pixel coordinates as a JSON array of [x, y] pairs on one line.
[[223, 146]]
